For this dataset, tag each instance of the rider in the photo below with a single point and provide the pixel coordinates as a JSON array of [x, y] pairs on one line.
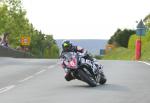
[[67, 46]]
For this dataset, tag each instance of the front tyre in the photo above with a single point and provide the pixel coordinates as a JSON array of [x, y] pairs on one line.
[[86, 78], [103, 79]]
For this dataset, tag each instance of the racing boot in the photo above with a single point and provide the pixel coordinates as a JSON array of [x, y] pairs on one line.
[[69, 77]]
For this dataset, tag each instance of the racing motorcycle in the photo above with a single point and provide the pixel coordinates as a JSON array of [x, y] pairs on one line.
[[82, 69]]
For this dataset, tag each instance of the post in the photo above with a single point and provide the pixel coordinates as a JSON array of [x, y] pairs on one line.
[[140, 31], [138, 49]]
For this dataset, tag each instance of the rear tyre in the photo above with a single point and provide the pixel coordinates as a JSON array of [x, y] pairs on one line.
[[86, 78]]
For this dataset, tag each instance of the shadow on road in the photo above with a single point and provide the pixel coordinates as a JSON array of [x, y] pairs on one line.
[[113, 87], [105, 87]]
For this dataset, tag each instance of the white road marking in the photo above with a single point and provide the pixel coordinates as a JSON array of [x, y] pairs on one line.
[[52, 66], [144, 62], [2, 90], [40, 72], [59, 63], [26, 79]]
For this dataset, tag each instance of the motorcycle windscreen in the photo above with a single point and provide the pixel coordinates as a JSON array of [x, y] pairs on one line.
[[71, 60]]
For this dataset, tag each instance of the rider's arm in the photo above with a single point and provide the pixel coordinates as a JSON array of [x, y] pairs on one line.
[[85, 53], [80, 49]]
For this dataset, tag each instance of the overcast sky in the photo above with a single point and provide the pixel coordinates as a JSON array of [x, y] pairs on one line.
[[85, 19]]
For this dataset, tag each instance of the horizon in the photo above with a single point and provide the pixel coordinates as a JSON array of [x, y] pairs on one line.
[[91, 45], [82, 39]]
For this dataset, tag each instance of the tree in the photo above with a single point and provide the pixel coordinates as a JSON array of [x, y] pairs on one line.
[[13, 20], [147, 20], [121, 38]]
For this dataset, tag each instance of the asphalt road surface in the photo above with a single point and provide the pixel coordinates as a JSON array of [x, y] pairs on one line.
[[42, 81]]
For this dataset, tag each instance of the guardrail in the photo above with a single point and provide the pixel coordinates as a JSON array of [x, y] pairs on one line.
[[9, 52]]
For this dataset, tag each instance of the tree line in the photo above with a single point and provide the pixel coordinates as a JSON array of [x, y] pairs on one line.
[[13, 21], [121, 37]]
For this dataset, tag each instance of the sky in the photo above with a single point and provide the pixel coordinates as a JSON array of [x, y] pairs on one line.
[[85, 19]]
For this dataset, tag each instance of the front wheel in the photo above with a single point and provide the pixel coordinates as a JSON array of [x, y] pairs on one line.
[[86, 78], [103, 79]]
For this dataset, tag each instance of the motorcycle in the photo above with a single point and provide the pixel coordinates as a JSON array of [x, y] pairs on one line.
[[82, 69]]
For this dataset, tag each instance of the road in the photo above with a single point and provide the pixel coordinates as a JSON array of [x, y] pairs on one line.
[[41, 81]]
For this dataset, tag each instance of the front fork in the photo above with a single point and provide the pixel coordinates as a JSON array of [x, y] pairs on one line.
[[99, 75]]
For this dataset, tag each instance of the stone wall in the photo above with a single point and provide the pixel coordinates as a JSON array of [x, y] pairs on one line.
[[8, 52]]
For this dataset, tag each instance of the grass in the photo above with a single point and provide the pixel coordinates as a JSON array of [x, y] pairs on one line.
[[120, 54], [146, 52]]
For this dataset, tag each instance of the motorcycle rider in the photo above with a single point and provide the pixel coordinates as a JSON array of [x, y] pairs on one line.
[[67, 46]]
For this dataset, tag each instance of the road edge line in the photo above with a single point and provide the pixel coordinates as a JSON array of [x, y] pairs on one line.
[[144, 62]]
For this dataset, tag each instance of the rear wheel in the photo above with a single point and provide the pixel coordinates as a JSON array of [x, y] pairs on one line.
[[87, 78]]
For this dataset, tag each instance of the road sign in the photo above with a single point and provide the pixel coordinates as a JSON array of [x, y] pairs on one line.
[[25, 40], [140, 31], [102, 51]]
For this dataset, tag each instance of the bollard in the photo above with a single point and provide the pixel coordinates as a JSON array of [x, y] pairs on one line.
[[138, 49]]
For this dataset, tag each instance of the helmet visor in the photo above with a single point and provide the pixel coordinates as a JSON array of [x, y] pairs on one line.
[[66, 45]]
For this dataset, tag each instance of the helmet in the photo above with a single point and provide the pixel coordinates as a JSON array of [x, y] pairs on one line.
[[66, 45]]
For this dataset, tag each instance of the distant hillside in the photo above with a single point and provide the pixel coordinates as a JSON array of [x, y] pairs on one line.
[[92, 45]]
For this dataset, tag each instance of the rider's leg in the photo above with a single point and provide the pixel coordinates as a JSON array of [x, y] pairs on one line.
[[68, 75]]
